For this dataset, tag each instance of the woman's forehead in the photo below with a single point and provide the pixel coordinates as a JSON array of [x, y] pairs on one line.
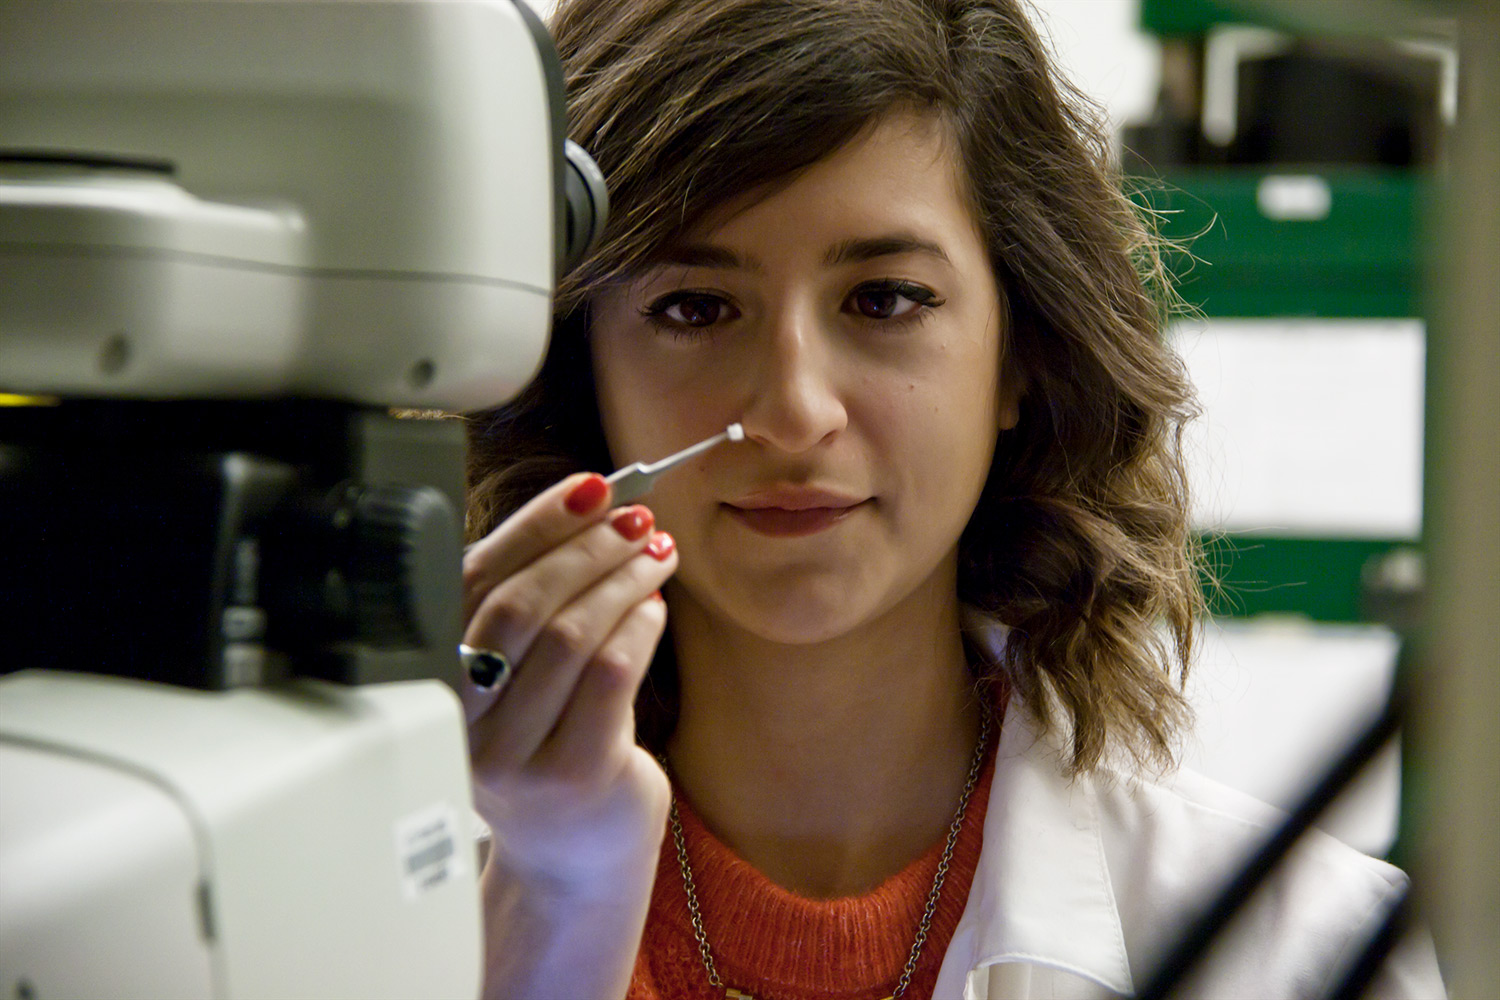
[[899, 180]]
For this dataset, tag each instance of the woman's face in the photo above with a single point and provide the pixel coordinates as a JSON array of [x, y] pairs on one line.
[[851, 322]]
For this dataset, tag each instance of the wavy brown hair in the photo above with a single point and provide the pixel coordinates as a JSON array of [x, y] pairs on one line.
[[1080, 542]]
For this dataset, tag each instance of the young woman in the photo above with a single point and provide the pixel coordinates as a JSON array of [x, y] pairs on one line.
[[929, 619]]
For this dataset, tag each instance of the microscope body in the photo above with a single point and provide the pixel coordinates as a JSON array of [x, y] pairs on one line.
[[235, 240]]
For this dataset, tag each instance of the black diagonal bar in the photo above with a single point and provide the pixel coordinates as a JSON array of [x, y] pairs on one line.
[[1194, 944]]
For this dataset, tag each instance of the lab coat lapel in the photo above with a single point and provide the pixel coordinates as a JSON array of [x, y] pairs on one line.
[[1041, 895]]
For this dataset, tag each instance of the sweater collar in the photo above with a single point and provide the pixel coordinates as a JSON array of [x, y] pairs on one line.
[[847, 944]]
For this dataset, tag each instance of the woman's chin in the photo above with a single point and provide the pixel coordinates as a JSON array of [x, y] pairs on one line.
[[795, 616]]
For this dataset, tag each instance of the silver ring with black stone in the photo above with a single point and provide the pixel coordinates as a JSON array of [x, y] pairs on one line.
[[487, 669]]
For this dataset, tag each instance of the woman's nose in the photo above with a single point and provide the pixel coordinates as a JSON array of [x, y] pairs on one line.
[[794, 403]]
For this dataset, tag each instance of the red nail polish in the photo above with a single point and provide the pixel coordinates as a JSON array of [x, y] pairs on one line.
[[656, 596], [661, 545], [633, 522], [587, 495]]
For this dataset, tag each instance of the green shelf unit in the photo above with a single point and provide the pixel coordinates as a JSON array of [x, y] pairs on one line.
[[1358, 261], [1317, 578], [1304, 18], [1178, 18]]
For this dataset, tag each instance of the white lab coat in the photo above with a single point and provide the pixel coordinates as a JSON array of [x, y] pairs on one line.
[[1080, 885]]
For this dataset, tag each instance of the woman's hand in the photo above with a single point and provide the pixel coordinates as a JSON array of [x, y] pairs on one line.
[[568, 591]]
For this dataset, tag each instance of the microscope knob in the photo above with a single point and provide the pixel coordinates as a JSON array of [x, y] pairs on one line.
[[401, 556]]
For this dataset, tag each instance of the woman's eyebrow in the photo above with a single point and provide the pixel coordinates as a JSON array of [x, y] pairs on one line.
[[708, 255], [868, 248], [853, 250]]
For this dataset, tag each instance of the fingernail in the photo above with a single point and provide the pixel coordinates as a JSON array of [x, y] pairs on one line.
[[587, 495], [633, 522], [656, 596], [661, 545]]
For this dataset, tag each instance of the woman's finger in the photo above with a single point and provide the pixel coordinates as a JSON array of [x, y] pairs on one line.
[[600, 716], [543, 523], [518, 611], [509, 731]]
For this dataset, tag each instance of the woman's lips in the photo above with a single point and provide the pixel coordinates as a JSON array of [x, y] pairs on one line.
[[792, 512]]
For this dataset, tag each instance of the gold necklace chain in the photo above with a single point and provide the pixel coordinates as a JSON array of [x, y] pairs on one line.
[[933, 894]]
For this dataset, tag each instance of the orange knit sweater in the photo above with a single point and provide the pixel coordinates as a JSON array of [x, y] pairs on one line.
[[776, 945]]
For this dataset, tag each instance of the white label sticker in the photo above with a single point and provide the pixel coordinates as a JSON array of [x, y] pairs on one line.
[[1294, 198], [427, 849]]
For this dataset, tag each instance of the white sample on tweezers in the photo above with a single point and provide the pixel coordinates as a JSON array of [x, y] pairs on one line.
[[635, 480]]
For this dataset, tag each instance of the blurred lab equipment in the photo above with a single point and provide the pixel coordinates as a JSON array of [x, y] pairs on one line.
[[1331, 183]]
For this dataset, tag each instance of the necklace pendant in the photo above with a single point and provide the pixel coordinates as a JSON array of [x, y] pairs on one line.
[[730, 993]]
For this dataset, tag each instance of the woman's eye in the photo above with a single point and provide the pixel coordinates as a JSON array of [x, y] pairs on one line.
[[890, 300], [690, 309]]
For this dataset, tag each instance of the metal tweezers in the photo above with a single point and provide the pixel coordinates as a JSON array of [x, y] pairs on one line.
[[635, 480]]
